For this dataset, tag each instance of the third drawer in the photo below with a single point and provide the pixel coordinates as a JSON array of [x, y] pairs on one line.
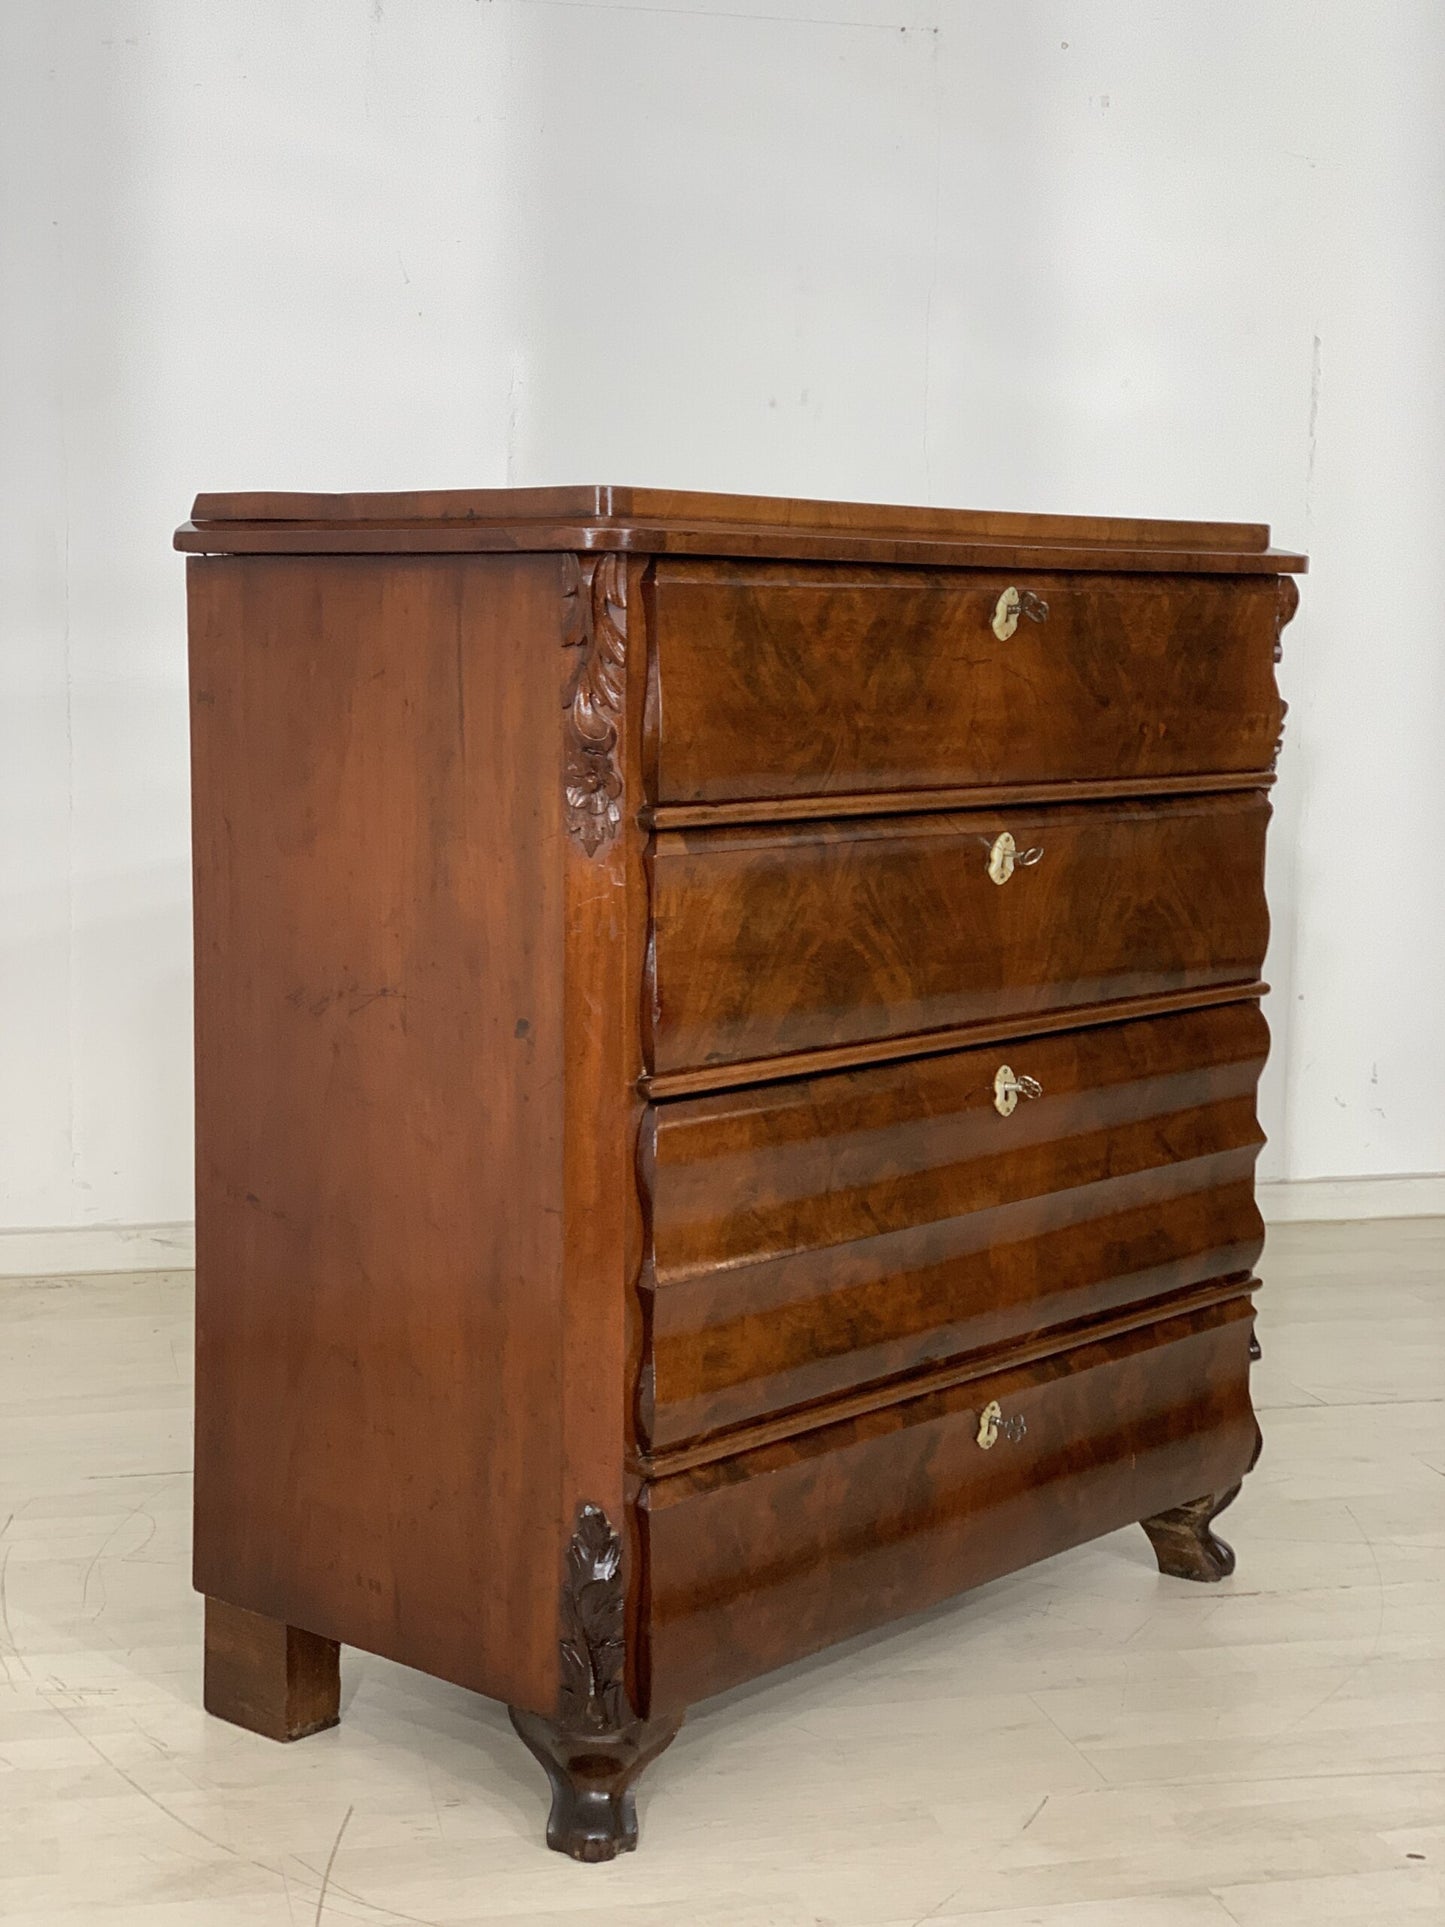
[[812, 1237]]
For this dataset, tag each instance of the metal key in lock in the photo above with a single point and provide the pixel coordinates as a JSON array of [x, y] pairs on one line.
[[1014, 603], [992, 1425], [1005, 856], [1008, 1089]]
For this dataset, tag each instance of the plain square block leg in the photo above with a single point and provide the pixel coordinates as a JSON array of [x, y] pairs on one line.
[[269, 1677], [592, 1776]]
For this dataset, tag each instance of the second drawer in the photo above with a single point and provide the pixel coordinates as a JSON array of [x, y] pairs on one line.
[[811, 936], [815, 1236]]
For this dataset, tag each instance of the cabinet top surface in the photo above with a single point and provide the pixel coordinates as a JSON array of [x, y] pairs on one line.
[[686, 522]]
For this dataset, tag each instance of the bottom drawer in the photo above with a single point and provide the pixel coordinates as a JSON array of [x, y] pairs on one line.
[[751, 1561]]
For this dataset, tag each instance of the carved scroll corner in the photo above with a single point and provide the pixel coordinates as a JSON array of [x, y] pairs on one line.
[[594, 620], [592, 1695], [1286, 605]]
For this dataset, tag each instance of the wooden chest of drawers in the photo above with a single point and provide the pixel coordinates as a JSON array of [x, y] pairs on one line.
[[727, 1034]]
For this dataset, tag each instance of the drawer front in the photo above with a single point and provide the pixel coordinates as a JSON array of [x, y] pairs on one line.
[[782, 680], [816, 935], [814, 1237], [757, 1560]]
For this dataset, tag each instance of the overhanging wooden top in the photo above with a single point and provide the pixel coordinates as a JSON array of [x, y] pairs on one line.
[[683, 522]]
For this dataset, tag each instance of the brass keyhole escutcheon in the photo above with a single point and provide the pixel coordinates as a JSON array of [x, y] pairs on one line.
[[1008, 1089], [992, 1425], [1014, 603], [1005, 857]]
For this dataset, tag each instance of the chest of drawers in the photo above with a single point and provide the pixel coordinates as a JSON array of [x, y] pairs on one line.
[[727, 1034]]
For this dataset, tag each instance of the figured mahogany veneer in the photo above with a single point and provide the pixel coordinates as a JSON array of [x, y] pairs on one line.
[[786, 681], [812, 1237], [616, 1275], [758, 1560], [769, 941]]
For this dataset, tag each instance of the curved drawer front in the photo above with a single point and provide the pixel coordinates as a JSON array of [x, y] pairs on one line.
[[817, 935], [815, 1237], [756, 1560], [784, 680]]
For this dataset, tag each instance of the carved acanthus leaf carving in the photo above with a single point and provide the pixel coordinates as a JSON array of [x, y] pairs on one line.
[[595, 621], [593, 1697]]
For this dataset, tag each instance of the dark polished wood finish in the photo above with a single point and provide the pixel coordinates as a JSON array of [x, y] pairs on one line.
[[1183, 1542], [776, 681], [771, 941], [758, 1560], [811, 1237], [272, 1679], [843, 1057], [594, 1750], [593, 1779], [620, 1268], [380, 1249], [646, 521], [791, 809]]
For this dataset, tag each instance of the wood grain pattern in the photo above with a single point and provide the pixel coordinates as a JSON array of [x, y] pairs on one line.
[[483, 538], [381, 1083], [779, 681], [1185, 1543], [813, 936], [970, 1369], [599, 503], [756, 1561], [615, 1277], [669, 521], [968, 796], [812, 1237], [847, 1057], [272, 1679]]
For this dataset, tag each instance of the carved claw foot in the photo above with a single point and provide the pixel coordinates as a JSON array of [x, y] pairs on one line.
[[1183, 1543], [593, 1776]]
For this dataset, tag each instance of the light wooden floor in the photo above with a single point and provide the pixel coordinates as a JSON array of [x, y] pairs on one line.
[[1083, 1745]]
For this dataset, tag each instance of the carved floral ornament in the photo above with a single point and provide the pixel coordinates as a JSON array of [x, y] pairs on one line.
[[594, 620]]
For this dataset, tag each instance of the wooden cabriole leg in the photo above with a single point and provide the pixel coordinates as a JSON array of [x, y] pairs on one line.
[[594, 1750], [1183, 1543], [269, 1677], [593, 1776]]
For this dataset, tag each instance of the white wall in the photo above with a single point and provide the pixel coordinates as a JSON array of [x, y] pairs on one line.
[[1122, 257]]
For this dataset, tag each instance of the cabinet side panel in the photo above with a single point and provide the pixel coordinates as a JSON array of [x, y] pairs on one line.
[[379, 1060]]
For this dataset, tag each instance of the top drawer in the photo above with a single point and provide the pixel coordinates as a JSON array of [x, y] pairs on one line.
[[788, 680]]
